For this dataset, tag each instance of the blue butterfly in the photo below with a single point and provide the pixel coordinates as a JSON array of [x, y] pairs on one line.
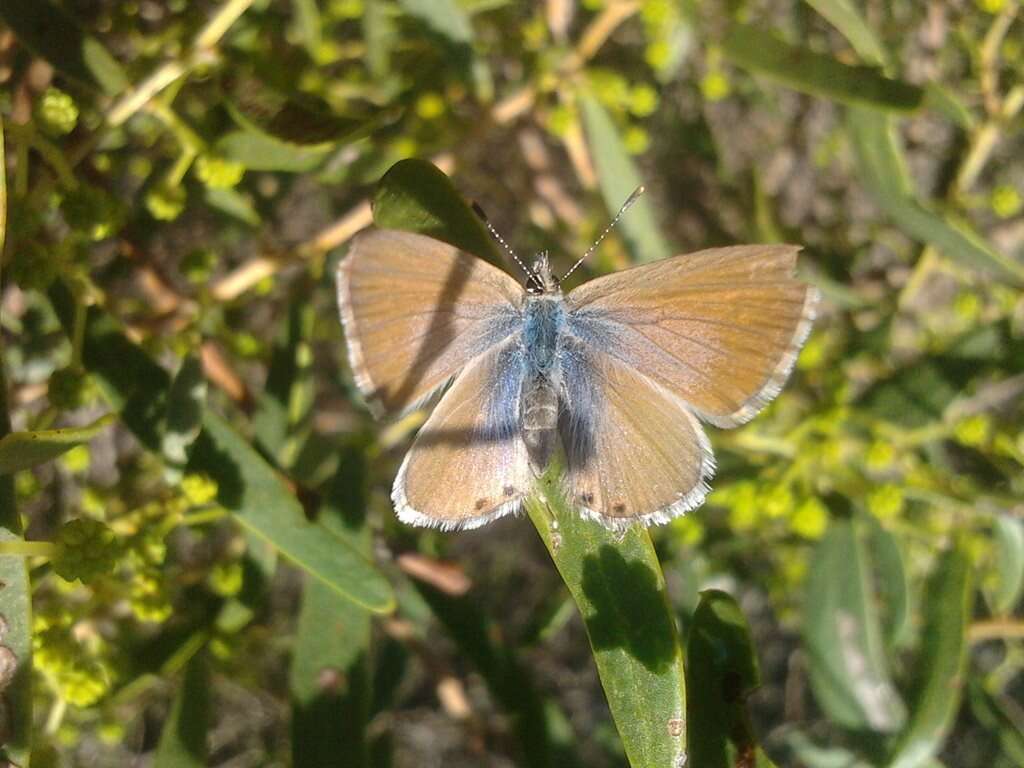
[[620, 371]]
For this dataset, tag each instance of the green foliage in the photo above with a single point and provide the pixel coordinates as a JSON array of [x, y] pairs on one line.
[[195, 520]]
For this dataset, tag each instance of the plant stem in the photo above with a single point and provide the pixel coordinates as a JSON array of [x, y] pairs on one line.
[[22, 548]]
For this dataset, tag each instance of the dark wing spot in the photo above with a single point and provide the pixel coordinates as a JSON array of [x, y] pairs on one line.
[[619, 508], [480, 504], [509, 490], [587, 498]]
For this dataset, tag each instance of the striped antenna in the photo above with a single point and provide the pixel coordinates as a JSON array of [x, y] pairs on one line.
[[615, 220], [501, 241]]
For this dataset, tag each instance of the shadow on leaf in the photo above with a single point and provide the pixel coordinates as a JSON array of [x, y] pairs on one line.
[[629, 609]]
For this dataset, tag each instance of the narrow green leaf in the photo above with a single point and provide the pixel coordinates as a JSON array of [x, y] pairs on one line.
[[308, 26], [236, 204], [21, 450], [15, 608], [260, 152], [941, 663], [617, 583], [994, 714], [259, 500], [330, 671], [758, 50], [809, 754], [1009, 536], [842, 637], [185, 403], [380, 36], [183, 739], [417, 196], [48, 31], [884, 172], [892, 584], [444, 17], [721, 672], [329, 681], [247, 485], [844, 16], [618, 177]]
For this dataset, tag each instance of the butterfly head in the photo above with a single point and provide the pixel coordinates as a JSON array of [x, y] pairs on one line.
[[541, 279]]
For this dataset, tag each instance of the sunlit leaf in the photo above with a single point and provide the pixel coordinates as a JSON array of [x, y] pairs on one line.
[[842, 636], [21, 450], [846, 17], [329, 678], [940, 665], [618, 586], [259, 500], [444, 17], [260, 152], [415, 195], [183, 739], [1009, 533], [618, 177], [754, 48]]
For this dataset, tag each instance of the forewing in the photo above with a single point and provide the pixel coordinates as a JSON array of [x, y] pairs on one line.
[[416, 311], [469, 464], [720, 328], [634, 451]]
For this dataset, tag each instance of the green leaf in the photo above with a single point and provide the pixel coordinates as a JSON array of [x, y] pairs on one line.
[[842, 637], [618, 177], [21, 450], [308, 26], [247, 486], [1009, 536], [941, 663], [913, 396], [330, 671], [994, 714], [617, 583], [185, 403], [259, 500], [380, 36], [15, 605], [844, 16], [809, 754], [753, 48], [892, 584], [260, 152], [233, 203], [444, 17], [183, 739], [721, 672], [52, 34], [329, 681], [417, 196], [884, 172]]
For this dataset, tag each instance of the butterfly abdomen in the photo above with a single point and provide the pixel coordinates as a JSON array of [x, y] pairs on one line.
[[543, 319]]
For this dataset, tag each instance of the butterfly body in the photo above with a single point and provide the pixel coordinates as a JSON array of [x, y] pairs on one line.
[[541, 340], [619, 371]]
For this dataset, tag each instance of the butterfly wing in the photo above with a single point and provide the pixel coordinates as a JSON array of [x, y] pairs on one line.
[[416, 311], [720, 328], [469, 464], [634, 451]]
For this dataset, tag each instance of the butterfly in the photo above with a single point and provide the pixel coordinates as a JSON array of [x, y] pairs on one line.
[[620, 371]]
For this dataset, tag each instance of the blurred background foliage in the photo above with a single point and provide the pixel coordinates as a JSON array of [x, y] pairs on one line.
[[200, 565]]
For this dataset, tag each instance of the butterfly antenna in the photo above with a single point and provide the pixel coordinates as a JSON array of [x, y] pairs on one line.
[[501, 241], [611, 225]]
